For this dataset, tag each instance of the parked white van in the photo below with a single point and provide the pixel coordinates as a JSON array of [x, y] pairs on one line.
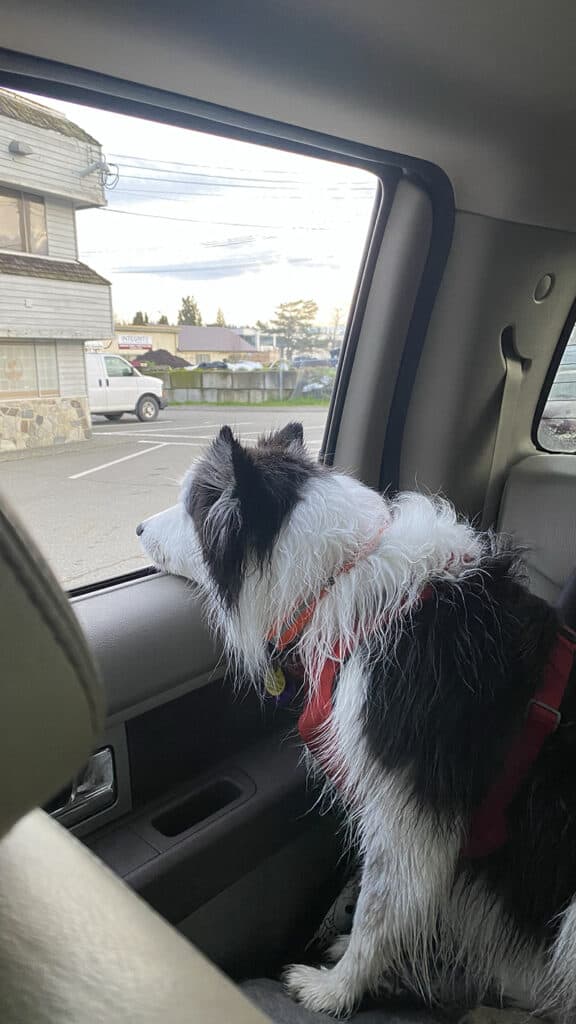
[[116, 387]]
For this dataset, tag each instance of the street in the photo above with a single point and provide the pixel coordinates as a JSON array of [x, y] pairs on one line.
[[82, 502]]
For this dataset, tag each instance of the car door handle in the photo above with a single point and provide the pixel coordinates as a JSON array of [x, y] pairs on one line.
[[92, 790]]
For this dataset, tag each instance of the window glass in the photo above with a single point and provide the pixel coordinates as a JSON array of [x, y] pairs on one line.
[[23, 223], [222, 270], [117, 367], [18, 370], [557, 428], [36, 225], [11, 236], [47, 368]]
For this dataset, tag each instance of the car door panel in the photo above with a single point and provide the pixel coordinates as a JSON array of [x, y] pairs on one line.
[[150, 641], [538, 510], [121, 388], [213, 804], [96, 383]]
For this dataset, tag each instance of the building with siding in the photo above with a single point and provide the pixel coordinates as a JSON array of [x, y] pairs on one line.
[[50, 303], [209, 344]]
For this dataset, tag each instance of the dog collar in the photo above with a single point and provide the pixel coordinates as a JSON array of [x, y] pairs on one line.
[[282, 635]]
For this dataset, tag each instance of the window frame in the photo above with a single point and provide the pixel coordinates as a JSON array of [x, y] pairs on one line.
[[38, 392], [24, 199], [561, 346], [62, 81]]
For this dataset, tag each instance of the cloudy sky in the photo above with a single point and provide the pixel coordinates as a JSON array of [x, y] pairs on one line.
[[236, 225]]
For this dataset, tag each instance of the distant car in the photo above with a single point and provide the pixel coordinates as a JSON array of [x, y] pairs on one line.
[[319, 386], [310, 361]]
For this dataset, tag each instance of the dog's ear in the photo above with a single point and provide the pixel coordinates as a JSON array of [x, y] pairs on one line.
[[265, 488], [290, 433], [248, 477], [226, 435], [249, 484]]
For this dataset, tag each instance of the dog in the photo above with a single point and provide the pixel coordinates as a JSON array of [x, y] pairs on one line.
[[436, 651]]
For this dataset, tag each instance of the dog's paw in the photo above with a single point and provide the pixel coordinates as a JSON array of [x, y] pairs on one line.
[[320, 989], [336, 951]]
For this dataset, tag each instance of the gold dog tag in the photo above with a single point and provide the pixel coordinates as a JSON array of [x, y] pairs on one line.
[[275, 682]]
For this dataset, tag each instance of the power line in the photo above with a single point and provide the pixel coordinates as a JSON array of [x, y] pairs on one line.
[[263, 184], [220, 223], [143, 160]]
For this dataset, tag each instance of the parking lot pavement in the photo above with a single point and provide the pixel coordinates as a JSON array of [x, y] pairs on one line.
[[82, 502]]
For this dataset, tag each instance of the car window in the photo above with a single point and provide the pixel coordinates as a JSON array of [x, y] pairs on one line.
[[557, 427], [223, 271], [116, 367]]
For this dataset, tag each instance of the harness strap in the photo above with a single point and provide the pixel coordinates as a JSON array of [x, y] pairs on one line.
[[318, 709], [488, 829]]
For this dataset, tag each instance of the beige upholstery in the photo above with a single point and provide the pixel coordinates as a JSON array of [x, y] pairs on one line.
[[50, 705], [76, 945], [538, 509]]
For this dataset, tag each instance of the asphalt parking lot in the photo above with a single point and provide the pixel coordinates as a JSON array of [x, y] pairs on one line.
[[82, 502]]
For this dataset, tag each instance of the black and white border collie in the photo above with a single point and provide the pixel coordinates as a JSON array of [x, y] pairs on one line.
[[440, 649]]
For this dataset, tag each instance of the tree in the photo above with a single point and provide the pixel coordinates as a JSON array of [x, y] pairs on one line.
[[140, 318], [189, 312], [262, 326], [163, 320], [220, 320], [335, 322], [293, 324]]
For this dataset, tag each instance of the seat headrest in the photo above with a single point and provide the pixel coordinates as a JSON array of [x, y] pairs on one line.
[[50, 696]]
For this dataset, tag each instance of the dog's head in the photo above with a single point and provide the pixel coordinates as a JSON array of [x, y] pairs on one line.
[[233, 505]]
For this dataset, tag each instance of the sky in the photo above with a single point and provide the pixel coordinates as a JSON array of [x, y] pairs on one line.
[[239, 226]]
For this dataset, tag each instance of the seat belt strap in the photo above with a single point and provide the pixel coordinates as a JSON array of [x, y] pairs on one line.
[[513, 378]]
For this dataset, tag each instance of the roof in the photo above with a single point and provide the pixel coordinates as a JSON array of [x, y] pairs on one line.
[[211, 339], [34, 266], [20, 108]]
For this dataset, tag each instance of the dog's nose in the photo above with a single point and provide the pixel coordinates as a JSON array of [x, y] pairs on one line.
[[139, 529]]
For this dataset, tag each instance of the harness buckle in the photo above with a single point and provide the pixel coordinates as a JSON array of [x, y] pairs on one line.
[[550, 710]]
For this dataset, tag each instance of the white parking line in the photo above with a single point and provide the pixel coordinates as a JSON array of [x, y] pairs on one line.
[[175, 437], [104, 429], [178, 444], [137, 427], [105, 465]]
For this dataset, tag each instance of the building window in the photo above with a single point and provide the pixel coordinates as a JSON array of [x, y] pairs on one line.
[[28, 370], [23, 223]]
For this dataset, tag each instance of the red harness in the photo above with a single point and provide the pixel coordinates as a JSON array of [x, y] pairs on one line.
[[488, 828]]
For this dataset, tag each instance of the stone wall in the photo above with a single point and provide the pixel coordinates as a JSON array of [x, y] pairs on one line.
[[42, 422]]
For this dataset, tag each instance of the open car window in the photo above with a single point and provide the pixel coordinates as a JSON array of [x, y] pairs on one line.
[[155, 283]]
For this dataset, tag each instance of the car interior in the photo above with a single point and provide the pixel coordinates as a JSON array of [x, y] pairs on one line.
[[160, 843]]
